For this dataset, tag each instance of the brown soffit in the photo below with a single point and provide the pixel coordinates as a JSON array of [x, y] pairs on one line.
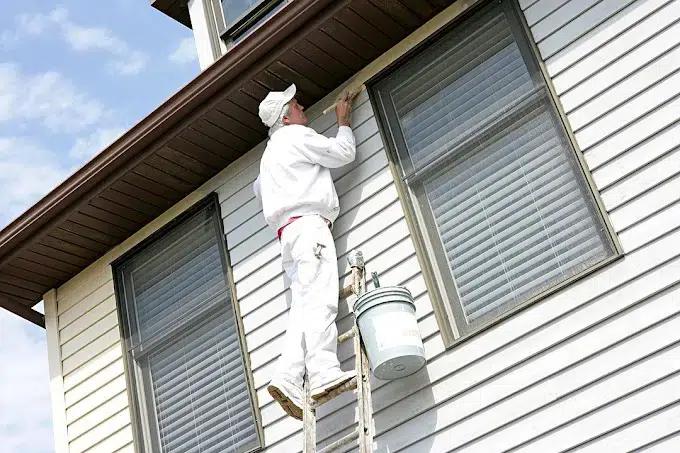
[[196, 133]]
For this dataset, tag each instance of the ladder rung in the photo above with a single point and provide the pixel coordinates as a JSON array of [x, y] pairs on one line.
[[346, 292], [346, 336], [346, 387], [351, 437]]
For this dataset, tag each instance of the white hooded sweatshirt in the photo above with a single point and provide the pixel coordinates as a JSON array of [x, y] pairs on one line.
[[295, 179]]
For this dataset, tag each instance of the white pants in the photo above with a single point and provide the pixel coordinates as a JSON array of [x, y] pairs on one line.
[[311, 338]]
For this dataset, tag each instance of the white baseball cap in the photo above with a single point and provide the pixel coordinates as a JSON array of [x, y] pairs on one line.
[[272, 106]]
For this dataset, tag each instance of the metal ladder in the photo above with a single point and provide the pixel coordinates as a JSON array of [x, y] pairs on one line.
[[362, 383]]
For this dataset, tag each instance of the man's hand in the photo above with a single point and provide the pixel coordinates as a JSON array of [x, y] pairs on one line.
[[344, 110]]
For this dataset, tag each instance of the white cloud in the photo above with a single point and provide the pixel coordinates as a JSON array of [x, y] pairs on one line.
[[132, 64], [30, 105], [32, 25], [48, 98], [26, 25], [85, 39], [88, 146], [125, 61], [27, 172], [25, 405], [185, 52]]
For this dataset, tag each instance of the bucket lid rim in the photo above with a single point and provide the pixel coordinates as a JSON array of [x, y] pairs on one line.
[[401, 289]]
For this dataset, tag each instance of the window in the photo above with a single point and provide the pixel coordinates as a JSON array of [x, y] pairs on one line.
[[504, 209], [184, 357], [243, 16]]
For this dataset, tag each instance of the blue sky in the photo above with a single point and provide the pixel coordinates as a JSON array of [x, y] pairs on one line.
[[74, 75]]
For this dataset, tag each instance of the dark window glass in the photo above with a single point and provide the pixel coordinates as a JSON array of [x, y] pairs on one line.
[[243, 16]]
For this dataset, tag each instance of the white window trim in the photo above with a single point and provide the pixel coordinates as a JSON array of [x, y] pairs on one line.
[[57, 391], [204, 15]]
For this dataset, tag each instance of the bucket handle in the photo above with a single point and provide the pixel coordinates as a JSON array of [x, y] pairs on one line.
[[376, 282]]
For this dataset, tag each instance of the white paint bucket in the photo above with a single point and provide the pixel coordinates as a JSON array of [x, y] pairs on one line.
[[389, 329]]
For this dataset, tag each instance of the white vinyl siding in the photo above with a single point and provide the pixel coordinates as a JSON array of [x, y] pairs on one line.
[[94, 388], [592, 368]]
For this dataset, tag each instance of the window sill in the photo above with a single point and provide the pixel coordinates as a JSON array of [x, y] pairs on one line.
[[564, 286]]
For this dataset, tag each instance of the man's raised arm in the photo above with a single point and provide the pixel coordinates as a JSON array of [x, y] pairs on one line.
[[332, 152]]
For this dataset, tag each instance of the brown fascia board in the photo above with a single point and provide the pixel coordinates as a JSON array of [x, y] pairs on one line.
[[176, 9], [20, 309], [190, 103]]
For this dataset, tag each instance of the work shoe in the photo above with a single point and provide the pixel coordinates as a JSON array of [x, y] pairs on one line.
[[331, 382], [289, 396]]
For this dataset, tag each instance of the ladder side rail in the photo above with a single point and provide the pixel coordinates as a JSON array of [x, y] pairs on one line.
[[308, 421], [366, 436], [363, 378]]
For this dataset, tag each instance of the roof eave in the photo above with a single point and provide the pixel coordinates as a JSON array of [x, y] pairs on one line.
[[21, 310], [207, 125], [250, 57]]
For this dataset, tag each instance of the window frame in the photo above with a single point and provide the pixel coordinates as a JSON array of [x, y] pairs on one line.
[[244, 24], [135, 375], [444, 297]]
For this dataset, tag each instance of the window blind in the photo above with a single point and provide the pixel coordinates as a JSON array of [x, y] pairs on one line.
[[445, 93], [176, 276], [512, 218], [184, 339], [201, 397], [482, 147]]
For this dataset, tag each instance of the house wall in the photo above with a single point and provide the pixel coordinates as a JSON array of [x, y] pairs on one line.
[[594, 366]]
